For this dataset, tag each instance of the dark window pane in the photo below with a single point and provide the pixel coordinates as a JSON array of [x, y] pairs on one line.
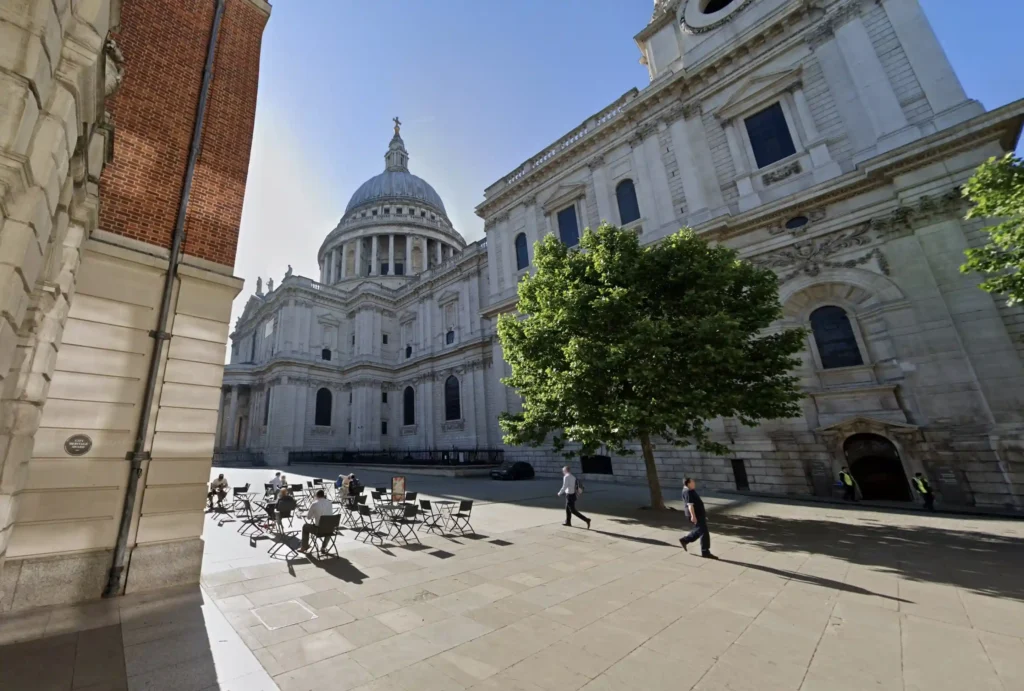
[[266, 407], [449, 337], [739, 473], [769, 136], [452, 405], [833, 334], [625, 195], [408, 352], [325, 354], [383, 426], [399, 269], [409, 406], [568, 227], [323, 408], [522, 255]]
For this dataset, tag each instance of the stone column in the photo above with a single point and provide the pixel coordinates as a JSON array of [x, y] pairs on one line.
[[659, 178], [437, 244], [232, 428], [748, 196], [645, 192], [359, 258], [824, 167], [391, 254], [870, 81], [601, 189], [374, 257], [934, 73], [696, 200], [426, 253]]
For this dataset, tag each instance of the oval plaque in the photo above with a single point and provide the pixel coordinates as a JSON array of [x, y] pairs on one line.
[[78, 444]]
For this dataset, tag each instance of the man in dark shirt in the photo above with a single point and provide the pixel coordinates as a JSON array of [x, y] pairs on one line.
[[695, 509]]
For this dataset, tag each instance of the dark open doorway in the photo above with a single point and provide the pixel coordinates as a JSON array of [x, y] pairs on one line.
[[875, 465]]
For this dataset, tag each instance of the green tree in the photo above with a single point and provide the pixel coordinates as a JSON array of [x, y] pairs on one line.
[[618, 343], [997, 192]]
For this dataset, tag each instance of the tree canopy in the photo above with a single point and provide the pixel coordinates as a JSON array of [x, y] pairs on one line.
[[616, 343], [997, 192]]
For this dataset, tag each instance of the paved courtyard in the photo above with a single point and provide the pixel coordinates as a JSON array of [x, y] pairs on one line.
[[804, 597]]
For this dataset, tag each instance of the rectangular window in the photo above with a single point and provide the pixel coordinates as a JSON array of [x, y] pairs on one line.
[[769, 136], [384, 339], [399, 269], [739, 472], [350, 427], [568, 226], [399, 211], [383, 396], [384, 269], [383, 426]]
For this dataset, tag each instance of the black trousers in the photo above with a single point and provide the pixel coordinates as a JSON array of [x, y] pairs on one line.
[[929, 501], [700, 532], [220, 497], [307, 530], [849, 493], [570, 510]]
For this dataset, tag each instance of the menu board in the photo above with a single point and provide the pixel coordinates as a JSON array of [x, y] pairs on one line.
[[398, 488]]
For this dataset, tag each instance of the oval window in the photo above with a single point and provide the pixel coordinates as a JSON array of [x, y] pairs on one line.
[[797, 222]]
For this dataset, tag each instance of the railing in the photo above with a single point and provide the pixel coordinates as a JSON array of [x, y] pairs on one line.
[[428, 457]]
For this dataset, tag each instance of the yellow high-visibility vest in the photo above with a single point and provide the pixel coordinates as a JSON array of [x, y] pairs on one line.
[[847, 479]]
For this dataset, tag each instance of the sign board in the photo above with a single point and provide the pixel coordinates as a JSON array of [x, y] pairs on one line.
[[78, 444], [398, 488]]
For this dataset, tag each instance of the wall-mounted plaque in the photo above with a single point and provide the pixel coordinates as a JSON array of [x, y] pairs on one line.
[[78, 444]]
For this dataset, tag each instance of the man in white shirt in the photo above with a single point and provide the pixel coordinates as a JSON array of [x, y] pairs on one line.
[[321, 507], [277, 482], [218, 487], [569, 489]]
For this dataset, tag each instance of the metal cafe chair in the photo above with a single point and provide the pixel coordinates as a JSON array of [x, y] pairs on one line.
[[403, 524], [432, 519], [325, 537], [460, 518], [370, 524]]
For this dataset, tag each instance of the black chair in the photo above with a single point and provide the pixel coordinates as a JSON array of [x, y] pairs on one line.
[[237, 494], [403, 525], [281, 535], [268, 489], [410, 497], [250, 519], [381, 490], [460, 518], [432, 519], [370, 524], [326, 535]]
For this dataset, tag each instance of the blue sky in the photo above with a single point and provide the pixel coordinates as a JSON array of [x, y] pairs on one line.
[[480, 86]]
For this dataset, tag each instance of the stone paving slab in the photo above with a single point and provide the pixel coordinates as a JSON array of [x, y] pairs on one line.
[[803, 598]]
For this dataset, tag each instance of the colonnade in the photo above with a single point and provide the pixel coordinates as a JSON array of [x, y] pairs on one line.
[[334, 266]]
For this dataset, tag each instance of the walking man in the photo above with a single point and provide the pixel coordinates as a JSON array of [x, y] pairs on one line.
[[924, 488], [695, 507], [849, 489], [571, 488]]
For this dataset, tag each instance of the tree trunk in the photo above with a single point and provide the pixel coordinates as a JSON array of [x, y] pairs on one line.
[[652, 472]]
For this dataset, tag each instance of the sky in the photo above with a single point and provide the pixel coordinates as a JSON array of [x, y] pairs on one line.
[[480, 86]]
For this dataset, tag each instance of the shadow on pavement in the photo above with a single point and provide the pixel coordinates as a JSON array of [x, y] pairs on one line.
[[813, 580]]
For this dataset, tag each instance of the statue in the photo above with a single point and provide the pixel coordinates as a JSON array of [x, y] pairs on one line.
[[259, 286], [398, 125], [270, 286], [288, 273]]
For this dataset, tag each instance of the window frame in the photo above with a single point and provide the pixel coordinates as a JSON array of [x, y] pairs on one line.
[[317, 422], [575, 206], [636, 201], [458, 401], [851, 317], [521, 265], [409, 406], [791, 129]]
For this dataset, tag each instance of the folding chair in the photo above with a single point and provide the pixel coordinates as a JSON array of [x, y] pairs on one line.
[[410, 497], [325, 536], [460, 518], [404, 525], [370, 524], [299, 492], [250, 520], [432, 520], [237, 494], [281, 535], [268, 489]]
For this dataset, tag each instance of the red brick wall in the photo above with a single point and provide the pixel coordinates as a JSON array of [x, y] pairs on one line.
[[164, 44]]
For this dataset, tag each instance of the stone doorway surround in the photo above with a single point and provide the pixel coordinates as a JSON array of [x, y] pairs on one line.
[[905, 437]]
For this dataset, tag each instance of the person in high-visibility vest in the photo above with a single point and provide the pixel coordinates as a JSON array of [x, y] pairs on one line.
[[924, 488], [849, 489]]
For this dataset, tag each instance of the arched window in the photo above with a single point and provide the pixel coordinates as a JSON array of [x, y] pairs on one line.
[[522, 254], [408, 352], [449, 337], [452, 404], [409, 406], [833, 334], [625, 195], [325, 354], [322, 418]]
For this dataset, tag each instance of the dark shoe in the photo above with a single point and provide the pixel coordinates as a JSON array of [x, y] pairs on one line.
[[683, 543], [569, 525], [588, 524], [708, 555]]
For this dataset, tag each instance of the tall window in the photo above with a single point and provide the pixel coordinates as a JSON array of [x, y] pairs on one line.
[[833, 334], [769, 136], [568, 226], [625, 195], [452, 404], [408, 352], [449, 337], [325, 354], [522, 254], [322, 418], [409, 406], [266, 407]]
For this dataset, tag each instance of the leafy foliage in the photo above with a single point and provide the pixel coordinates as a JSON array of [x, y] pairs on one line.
[[997, 192], [616, 343]]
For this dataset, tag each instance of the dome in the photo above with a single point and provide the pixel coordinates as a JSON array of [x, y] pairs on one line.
[[396, 182], [398, 185]]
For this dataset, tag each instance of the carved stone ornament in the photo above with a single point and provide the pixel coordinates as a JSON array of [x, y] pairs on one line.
[[113, 74], [595, 162], [927, 209], [810, 256], [780, 174], [454, 426]]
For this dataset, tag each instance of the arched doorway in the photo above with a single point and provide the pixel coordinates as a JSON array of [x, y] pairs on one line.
[[875, 465]]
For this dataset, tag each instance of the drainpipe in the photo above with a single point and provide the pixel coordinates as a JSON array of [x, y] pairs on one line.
[[138, 454]]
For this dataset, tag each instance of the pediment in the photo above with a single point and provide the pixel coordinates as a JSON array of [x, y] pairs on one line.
[[864, 423], [565, 194], [407, 317], [328, 319], [757, 91], [447, 296]]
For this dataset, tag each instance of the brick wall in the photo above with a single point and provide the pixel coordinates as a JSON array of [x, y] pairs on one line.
[[164, 43]]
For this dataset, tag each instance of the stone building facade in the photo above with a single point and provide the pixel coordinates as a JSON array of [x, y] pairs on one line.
[[826, 140], [110, 371]]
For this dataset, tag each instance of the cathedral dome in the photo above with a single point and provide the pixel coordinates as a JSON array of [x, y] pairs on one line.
[[396, 182]]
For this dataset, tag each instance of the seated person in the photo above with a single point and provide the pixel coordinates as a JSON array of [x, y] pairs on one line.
[[220, 488], [344, 485], [277, 482], [321, 507], [286, 504]]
